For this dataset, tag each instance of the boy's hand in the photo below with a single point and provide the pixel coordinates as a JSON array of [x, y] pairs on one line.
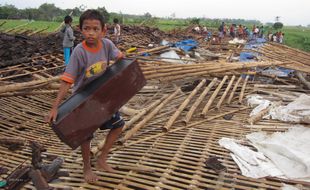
[[63, 90], [52, 116]]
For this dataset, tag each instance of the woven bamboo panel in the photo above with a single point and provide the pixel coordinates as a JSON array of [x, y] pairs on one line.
[[151, 158]]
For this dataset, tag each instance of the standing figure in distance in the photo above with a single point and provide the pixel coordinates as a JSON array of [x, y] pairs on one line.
[[68, 38]]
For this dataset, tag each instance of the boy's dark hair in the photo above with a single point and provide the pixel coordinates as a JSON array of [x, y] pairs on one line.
[[67, 19], [115, 20], [91, 14]]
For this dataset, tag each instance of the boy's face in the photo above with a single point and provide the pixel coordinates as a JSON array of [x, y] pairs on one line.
[[92, 31]]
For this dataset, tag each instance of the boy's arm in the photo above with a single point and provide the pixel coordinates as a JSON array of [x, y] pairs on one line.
[[114, 52], [63, 90]]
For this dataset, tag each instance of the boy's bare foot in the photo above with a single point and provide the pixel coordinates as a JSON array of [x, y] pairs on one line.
[[89, 176], [102, 165]]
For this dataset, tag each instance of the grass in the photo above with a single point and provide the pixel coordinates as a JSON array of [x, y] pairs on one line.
[[297, 37], [29, 25]]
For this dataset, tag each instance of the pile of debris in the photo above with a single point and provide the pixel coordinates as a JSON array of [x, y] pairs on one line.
[[39, 172], [15, 48]]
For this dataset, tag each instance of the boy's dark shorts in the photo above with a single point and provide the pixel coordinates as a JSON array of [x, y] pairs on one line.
[[115, 122]]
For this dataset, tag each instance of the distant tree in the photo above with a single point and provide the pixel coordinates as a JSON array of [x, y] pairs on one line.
[[119, 16], [7, 11], [49, 12], [173, 16], [278, 25], [147, 15], [30, 13], [104, 12], [76, 12], [195, 21]]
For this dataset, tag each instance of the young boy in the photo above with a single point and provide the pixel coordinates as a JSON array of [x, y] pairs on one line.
[[67, 42], [89, 61], [117, 30]]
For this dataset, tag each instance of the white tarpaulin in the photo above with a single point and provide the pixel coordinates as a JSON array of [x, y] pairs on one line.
[[258, 102], [285, 155], [171, 56], [252, 164], [289, 151], [237, 41], [297, 111]]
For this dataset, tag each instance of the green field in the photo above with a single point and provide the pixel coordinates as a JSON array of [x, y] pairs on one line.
[[29, 25], [297, 37]]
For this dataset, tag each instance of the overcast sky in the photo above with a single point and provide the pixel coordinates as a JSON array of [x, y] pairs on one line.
[[291, 12]]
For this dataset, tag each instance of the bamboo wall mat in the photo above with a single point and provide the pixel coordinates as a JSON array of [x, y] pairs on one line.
[[151, 158]]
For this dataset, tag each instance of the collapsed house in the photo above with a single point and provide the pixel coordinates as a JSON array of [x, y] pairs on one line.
[[212, 116]]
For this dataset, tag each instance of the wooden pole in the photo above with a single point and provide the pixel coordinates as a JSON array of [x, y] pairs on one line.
[[243, 89], [37, 31], [207, 106], [225, 93], [183, 105], [198, 101], [252, 120], [303, 80], [149, 51], [2, 23], [193, 125], [30, 93], [128, 111], [142, 113], [14, 28], [234, 90], [272, 86], [201, 72], [132, 131], [25, 85]]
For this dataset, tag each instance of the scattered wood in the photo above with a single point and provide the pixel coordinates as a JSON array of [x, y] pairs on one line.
[[27, 85], [226, 91], [136, 168], [199, 100], [183, 105], [128, 111], [212, 98], [143, 112], [12, 143], [234, 90], [303, 80], [132, 131], [243, 89], [257, 117], [18, 178]]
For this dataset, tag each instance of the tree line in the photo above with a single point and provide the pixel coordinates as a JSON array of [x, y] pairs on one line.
[[45, 12], [49, 12]]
